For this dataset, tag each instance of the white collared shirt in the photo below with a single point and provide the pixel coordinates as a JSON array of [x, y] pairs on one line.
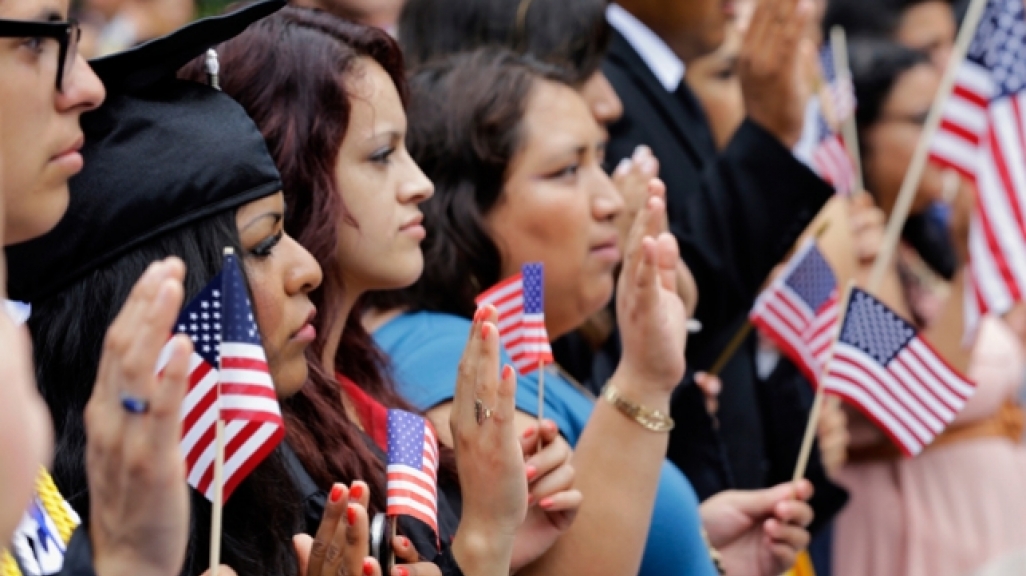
[[661, 60]]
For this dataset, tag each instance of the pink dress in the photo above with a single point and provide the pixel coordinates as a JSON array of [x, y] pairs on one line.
[[954, 507]]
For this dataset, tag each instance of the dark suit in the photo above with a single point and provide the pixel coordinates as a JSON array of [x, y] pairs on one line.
[[735, 215]]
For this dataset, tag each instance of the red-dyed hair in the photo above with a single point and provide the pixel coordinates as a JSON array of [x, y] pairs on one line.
[[289, 71]]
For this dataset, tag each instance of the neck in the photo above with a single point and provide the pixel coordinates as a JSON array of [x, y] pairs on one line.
[[337, 326]]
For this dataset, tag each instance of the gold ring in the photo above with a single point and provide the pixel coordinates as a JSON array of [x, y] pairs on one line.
[[480, 412]]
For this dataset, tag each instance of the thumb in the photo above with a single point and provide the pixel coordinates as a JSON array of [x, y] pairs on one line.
[[222, 570], [302, 543], [760, 503]]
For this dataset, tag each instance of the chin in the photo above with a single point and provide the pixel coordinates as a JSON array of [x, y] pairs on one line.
[[289, 381]]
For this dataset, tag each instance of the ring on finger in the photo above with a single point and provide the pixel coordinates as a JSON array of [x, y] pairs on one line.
[[481, 413], [134, 404]]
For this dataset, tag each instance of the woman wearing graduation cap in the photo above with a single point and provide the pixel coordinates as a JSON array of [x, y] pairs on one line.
[[177, 168], [46, 88]]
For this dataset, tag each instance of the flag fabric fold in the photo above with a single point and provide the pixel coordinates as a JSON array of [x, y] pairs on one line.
[[882, 367], [798, 312], [981, 138], [521, 306], [228, 376], [412, 468]]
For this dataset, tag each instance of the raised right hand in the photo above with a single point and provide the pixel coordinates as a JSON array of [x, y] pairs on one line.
[[139, 501], [650, 312], [489, 460]]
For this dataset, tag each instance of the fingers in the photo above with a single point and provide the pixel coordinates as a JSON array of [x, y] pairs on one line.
[[486, 389], [551, 456], [565, 501], [302, 543], [794, 537], [418, 569], [352, 538], [323, 548], [559, 479], [462, 414], [167, 399], [794, 512], [405, 551], [645, 224]]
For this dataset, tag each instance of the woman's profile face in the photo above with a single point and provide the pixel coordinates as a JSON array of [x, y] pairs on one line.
[[558, 207], [381, 186], [715, 82], [40, 133], [281, 275], [892, 138]]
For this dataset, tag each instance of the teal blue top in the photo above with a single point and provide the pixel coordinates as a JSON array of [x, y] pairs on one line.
[[425, 349]]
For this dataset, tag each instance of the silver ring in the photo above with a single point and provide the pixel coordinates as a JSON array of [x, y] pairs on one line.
[[480, 412], [134, 405]]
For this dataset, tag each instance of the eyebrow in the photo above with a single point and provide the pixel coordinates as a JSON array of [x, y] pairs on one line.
[[275, 216]]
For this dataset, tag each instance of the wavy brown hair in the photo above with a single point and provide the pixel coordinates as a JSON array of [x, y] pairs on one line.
[[289, 71]]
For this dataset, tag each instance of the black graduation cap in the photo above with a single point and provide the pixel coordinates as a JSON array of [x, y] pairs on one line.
[[160, 153]]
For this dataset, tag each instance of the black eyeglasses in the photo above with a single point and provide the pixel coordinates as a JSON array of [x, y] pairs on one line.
[[66, 34]]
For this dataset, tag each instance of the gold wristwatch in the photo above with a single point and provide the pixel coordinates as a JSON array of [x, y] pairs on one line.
[[650, 419]]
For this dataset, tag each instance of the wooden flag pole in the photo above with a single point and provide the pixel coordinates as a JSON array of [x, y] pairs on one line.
[[391, 543], [541, 398], [217, 506], [910, 184], [744, 330], [839, 49], [817, 403]]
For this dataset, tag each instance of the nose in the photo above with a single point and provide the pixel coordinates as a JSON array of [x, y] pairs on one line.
[[415, 187], [83, 90], [304, 274], [607, 202], [602, 100]]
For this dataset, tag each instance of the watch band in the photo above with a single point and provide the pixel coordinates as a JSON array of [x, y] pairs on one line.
[[649, 419]]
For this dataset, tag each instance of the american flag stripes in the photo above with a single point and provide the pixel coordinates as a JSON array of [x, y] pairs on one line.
[[982, 137], [412, 467], [521, 306], [228, 374], [830, 158], [799, 310], [882, 366]]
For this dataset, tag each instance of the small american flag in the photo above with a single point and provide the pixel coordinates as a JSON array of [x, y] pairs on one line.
[[412, 467], [830, 158], [981, 137], [798, 311], [882, 366], [521, 306], [228, 374]]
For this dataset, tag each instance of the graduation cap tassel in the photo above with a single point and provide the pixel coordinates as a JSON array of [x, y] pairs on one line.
[[213, 67]]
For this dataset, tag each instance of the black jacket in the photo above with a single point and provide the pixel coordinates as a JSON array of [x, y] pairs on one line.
[[735, 215]]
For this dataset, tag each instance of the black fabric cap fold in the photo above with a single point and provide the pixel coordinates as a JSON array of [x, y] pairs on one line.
[[160, 153]]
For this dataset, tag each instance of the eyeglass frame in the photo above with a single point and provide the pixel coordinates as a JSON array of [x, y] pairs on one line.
[[66, 33]]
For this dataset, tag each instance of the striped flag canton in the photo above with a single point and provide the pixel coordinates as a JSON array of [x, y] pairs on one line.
[[812, 280], [874, 329], [200, 320], [1000, 45]]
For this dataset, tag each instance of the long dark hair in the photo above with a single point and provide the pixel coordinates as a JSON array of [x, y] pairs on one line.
[[289, 71], [876, 65], [572, 34], [466, 115], [68, 332]]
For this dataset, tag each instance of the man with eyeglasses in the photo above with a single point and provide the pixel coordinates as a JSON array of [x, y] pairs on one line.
[[45, 89]]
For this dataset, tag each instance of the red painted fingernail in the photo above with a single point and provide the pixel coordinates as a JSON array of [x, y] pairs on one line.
[[546, 503], [485, 330], [351, 515], [507, 372], [529, 432], [402, 571], [531, 473], [336, 493], [356, 491], [477, 315], [368, 567], [405, 541]]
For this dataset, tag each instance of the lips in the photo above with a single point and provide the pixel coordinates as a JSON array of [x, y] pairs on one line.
[[307, 331], [416, 220], [608, 249], [74, 148]]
